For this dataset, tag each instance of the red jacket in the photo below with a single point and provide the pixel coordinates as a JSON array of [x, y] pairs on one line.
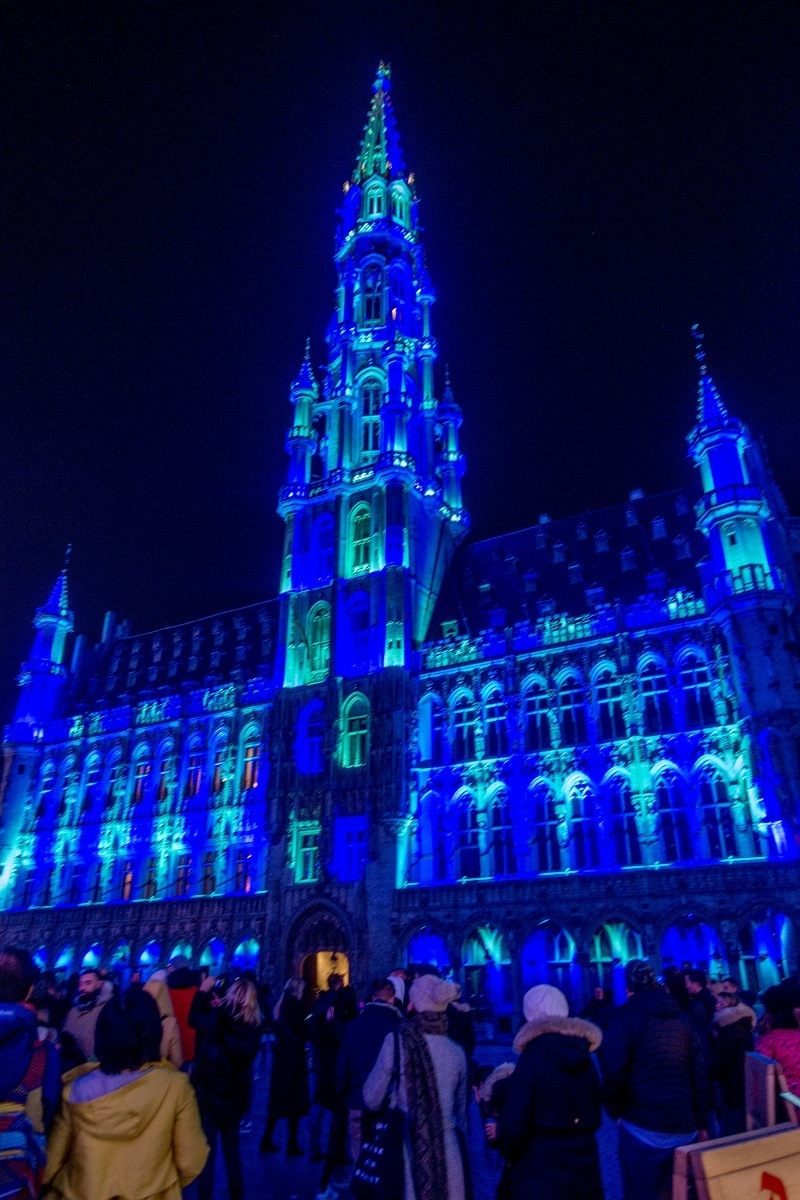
[[182, 993]]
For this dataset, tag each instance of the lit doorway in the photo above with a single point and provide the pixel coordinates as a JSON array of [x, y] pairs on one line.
[[318, 966]]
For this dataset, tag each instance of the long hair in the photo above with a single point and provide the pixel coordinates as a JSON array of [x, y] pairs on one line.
[[241, 1001], [128, 1032], [294, 987]]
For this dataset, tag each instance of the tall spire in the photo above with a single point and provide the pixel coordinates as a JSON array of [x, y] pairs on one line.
[[380, 152], [305, 380], [710, 409], [58, 601]]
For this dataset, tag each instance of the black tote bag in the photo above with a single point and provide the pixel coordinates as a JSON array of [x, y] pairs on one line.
[[380, 1173]]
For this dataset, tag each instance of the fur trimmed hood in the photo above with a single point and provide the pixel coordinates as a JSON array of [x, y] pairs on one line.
[[501, 1072], [567, 1026], [729, 1016]]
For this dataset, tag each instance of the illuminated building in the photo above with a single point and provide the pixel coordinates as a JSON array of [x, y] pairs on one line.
[[527, 758]]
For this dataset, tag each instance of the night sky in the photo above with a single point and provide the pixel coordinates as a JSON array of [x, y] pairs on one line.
[[594, 178]]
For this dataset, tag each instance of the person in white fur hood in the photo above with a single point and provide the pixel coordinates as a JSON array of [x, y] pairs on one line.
[[548, 1124]]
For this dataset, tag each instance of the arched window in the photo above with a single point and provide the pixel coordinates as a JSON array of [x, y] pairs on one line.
[[535, 709], [431, 730], [399, 207], [673, 823], [548, 956], [622, 815], [372, 295], [373, 200], [571, 712], [141, 775], [360, 539], [251, 760], [463, 724], [355, 731], [654, 688], [501, 831], [583, 823], [468, 846], [715, 814], [614, 944], [696, 683], [608, 692], [322, 549], [547, 850], [370, 419], [319, 641], [309, 742], [495, 724]]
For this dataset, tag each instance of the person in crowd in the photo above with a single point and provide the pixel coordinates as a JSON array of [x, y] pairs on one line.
[[702, 1001], [732, 1036], [781, 1040], [336, 1155], [655, 1082], [490, 1087], [398, 978], [461, 1025], [600, 1008], [30, 1082], [324, 1032], [128, 1125], [182, 983], [223, 1073], [93, 993], [171, 1050], [552, 1110], [288, 1085], [675, 983], [432, 1091], [358, 1052]]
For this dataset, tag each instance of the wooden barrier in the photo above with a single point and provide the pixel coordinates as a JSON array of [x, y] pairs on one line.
[[766, 1097], [763, 1164]]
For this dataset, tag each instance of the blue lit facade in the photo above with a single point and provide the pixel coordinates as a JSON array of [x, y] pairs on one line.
[[524, 759]]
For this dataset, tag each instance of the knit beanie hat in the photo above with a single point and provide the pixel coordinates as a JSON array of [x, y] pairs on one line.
[[544, 1000], [429, 993]]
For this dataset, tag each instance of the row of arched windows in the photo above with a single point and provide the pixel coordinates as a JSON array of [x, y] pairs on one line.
[[569, 713], [583, 827]]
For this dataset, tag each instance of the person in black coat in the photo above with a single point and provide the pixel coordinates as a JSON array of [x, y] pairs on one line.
[[655, 1082], [288, 1084], [732, 1034], [358, 1052], [600, 1008], [223, 1073], [552, 1111]]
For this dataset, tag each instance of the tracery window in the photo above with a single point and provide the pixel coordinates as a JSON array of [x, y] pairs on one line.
[[356, 731], [218, 774], [610, 719], [583, 824], [194, 774], [370, 419], [182, 875], [696, 683], [252, 758], [322, 548], [537, 722], [463, 717], [372, 294], [360, 539], [495, 725], [431, 730], [209, 874], [164, 776], [673, 821], [654, 688], [468, 847], [624, 831], [571, 712], [310, 735], [715, 814], [243, 879], [307, 853], [501, 832], [319, 640], [547, 849]]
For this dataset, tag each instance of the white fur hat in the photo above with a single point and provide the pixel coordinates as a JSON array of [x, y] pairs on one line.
[[429, 993], [544, 1000]]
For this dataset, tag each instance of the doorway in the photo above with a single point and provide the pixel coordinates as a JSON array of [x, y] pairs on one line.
[[318, 965]]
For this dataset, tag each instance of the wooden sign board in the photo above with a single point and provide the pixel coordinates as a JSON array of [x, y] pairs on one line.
[[760, 1091], [761, 1165]]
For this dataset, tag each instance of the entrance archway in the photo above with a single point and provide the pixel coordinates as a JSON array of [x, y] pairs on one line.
[[318, 946]]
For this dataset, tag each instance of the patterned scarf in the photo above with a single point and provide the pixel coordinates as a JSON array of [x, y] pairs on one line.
[[425, 1125]]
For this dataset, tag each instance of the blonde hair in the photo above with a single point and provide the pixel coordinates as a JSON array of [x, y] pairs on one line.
[[241, 1001]]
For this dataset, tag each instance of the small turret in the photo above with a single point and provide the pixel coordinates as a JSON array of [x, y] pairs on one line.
[[43, 676], [301, 438], [450, 458]]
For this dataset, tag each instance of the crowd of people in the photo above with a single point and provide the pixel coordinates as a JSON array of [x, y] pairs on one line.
[[110, 1092]]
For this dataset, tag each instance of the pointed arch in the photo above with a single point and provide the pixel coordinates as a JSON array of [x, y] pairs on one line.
[[462, 726], [535, 709], [657, 716], [355, 730], [624, 831], [547, 851], [468, 835], [583, 823], [319, 641], [502, 851], [495, 722], [671, 815], [360, 540], [695, 678]]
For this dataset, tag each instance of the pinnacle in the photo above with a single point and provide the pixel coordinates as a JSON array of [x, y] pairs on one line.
[[58, 601], [710, 408], [305, 380], [380, 152]]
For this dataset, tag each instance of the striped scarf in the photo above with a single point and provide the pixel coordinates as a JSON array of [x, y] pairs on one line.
[[425, 1124]]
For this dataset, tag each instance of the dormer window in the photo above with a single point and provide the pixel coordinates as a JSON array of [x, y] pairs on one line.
[[628, 559], [659, 528], [601, 542], [373, 296]]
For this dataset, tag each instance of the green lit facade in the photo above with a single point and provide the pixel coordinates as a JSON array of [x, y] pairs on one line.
[[525, 759]]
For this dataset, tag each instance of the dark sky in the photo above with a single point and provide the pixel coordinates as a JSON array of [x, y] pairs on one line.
[[594, 178]]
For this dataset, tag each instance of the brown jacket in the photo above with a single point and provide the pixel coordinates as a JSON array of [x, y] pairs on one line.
[[170, 1033], [81, 1024], [140, 1141]]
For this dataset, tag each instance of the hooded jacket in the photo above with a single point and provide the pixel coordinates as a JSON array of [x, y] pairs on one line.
[[81, 1020], [654, 1069], [17, 1036], [182, 987], [136, 1141], [548, 1121], [361, 1044], [171, 1050]]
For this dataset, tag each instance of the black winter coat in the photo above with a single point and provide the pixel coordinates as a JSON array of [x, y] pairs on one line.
[[733, 1037], [288, 1085], [361, 1043], [223, 1066], [654, 1069], [548, 1123]]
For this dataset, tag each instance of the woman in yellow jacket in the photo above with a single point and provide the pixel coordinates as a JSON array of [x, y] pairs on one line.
[[128, 1126]]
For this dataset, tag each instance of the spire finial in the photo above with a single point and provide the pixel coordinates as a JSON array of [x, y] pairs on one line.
[[383, 78], [699, 348], [447, 375], [307, 355]]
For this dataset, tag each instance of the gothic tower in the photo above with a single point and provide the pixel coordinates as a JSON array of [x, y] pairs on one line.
[[751, 588], [373, 513]]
